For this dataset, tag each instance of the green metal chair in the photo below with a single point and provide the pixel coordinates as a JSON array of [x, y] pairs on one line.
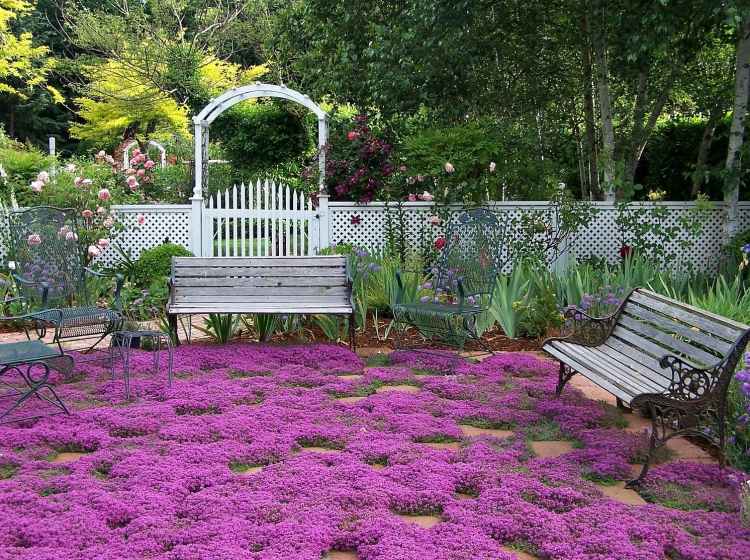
[[461, 282], [47, 264]]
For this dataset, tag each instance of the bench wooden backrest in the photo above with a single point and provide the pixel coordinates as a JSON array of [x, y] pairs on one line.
[[318, 284], [657, 326]]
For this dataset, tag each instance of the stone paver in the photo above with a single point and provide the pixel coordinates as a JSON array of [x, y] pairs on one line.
[[351, 400], [452, 445], [315, 449], [550, 449], [399, 388], [352, 377], [472, 431], [621, 494], [520, 555], [66, 457], [340, 555], [425, 521]]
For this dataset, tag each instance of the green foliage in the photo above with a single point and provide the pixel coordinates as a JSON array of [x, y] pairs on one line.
[[506, 306], [156, 263], [221, 327], [21, 164], [172, 184], [264, 324], [147, 302], [331, 326], [259, 136], [470, 148]]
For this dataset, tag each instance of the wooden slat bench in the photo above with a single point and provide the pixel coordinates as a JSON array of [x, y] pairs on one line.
[[273, 285], [670, 360]]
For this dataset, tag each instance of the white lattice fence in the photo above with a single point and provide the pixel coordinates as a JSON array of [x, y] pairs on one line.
[[366, 226], [161, 223]]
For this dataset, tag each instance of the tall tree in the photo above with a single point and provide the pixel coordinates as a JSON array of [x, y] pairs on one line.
[[737, 130], [24, 67]]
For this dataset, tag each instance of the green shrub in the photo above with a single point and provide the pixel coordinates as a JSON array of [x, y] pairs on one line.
[[21, 164], [258, 136], [156, 263]]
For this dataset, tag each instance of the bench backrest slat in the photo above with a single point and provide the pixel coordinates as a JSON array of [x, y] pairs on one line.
[[274, 284]]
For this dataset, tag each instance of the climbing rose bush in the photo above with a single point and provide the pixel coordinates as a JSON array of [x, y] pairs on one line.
[[215, 467]]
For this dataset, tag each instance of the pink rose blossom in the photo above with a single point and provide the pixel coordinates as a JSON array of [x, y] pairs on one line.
[[43, 176], [103, 243], [140, 172], [427, 197], [101, 210], [449, 167], [37, 186], [101, 154], [88, 214], [78, 182], [412, 197], [71, 236], [94, 251], [136, 152], [141, 219], [34, 239], [149, 164], [130, 171], [108, 223], [104, 194]]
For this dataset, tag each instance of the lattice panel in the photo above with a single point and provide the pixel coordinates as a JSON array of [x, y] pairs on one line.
[[365, 226], [161, 223]]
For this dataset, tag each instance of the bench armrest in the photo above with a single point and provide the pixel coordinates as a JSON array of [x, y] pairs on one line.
[[688, 382], [581, 328]]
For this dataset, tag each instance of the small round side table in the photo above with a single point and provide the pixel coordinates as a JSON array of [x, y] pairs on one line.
[[121, 344]]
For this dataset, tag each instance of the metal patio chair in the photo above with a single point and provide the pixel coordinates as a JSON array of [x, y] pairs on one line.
[[462, 282], [48, 267]]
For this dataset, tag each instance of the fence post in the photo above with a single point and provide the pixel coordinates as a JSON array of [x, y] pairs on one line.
[[324, 236], [196, 201]]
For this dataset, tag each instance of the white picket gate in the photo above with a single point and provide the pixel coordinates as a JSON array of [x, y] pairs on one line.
[[261, 219]]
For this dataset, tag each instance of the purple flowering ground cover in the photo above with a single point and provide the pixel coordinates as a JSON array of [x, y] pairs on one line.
[[216, 467]]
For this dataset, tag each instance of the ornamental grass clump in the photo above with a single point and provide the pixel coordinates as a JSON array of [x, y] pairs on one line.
[[266, 467]]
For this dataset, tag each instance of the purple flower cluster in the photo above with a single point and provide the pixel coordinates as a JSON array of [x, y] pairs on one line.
[[215, 467]]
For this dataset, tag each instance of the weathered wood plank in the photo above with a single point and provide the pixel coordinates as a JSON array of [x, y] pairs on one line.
[[645, 345], [259, 281], [669, 342], [317, 260], [615, 345], [591, 374], [280, 309], [222, 272], [226, 299], [262, 291], [708, 322], [668, 324], [628, 380]]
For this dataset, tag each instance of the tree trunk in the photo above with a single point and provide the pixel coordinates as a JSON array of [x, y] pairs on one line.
[[642, 133], [12, 121], [589, 115], [605, 107], [733, 165], [705, 147]]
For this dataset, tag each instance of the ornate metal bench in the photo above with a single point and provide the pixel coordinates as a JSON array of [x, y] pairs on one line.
[[670, 360], [283, 285]]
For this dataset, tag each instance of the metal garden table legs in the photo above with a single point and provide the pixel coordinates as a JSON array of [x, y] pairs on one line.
[[121, 343]]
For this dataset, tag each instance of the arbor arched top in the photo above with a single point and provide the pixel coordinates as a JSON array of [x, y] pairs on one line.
[[229, 98]]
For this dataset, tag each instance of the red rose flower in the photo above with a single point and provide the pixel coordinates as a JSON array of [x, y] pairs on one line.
[[626, 251], [352, 135], [440, 243]]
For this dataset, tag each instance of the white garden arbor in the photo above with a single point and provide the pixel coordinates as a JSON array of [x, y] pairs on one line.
[[202, 122]]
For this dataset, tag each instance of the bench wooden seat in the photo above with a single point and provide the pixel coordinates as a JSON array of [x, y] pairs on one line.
[[273, 285], [664, 357]]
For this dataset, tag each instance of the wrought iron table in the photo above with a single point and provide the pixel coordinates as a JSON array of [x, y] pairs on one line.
[[31, 361], [121, 344]]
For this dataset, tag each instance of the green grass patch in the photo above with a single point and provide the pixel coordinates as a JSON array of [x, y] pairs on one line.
[[485, 423], [521, 545], [599, 479], [378, 360], [435, 438], [544, 430], [381, 460], [240, 467], [102, 471], [427, 371], [319, 441], [677, 496], [242, 374], [51, 491], [196, 409], [613, 417], [8, 471], [251, 400]]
